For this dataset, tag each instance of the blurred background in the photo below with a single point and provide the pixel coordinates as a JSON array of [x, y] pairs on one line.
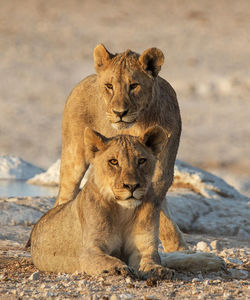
[[46, 47]]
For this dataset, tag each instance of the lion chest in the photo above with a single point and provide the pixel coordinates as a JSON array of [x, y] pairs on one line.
[[115, 245], [118, 248], [117, 242]]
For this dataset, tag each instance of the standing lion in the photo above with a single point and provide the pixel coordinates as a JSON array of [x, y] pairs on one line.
[[126, 96]]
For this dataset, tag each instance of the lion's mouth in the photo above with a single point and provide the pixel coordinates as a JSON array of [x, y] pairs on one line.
[[128, 199], [122, 124], [130, 203]]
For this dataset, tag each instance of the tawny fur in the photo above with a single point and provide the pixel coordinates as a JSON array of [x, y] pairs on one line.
[[95, 232], [189, 261], [127, 84]]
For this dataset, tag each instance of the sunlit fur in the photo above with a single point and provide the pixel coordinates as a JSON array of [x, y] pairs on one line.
[[111, 179], [107, 228], [121, 97], [152, 101]]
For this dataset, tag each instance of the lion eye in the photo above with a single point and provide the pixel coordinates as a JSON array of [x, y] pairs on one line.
[[133, 85], [109, 86], [141, 161], [113, 162]]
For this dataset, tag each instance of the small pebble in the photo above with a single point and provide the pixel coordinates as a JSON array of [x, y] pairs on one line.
[[203, 246], [226, 295], [200, 276], [238, 274], [217, 281], [216, 245], [233, 261], [82, 282], [126, 296], [224, 253], [35, 276], [128, 280], [206, 282]]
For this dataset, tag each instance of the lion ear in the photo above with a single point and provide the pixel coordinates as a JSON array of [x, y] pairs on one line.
[[151, 60], [101, 57], [94, 142], [155, 138]]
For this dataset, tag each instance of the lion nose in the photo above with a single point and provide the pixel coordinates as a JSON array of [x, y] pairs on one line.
[[131, 187], [120, 113]]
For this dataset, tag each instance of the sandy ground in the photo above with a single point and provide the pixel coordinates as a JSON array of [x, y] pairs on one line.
[[46, 48], [21, 280]]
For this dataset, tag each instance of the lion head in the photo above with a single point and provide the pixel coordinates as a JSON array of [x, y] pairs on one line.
[[123, 166], [126, 82]]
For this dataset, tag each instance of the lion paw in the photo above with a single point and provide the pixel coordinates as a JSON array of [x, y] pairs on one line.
[[123, 271], [157, 272]]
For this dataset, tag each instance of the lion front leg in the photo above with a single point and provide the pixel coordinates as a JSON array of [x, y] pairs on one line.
[[95, 262], [150, 267], [72, 170], [169, 232], [144, 241], [146, 260]]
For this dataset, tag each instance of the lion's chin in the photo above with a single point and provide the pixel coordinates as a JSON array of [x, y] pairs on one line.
[[122, 125], [129, 203]]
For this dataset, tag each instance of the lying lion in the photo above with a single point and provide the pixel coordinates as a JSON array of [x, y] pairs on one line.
[[110, 226]]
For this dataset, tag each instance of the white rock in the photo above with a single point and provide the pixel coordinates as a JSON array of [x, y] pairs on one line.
[[233, 261], [13, 167], [128, 280], [206, 282], [34, 276], [243, 234], [82, 282], [15, 214], [204, 183], [238, 274], [224, 85], [50, 294], [50, 177], [207, 204], [126, 296], [227, 295], [216, 245], [203, 246], [198, 201]]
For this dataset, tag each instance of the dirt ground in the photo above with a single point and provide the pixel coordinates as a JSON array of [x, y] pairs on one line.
[[21, 280]]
